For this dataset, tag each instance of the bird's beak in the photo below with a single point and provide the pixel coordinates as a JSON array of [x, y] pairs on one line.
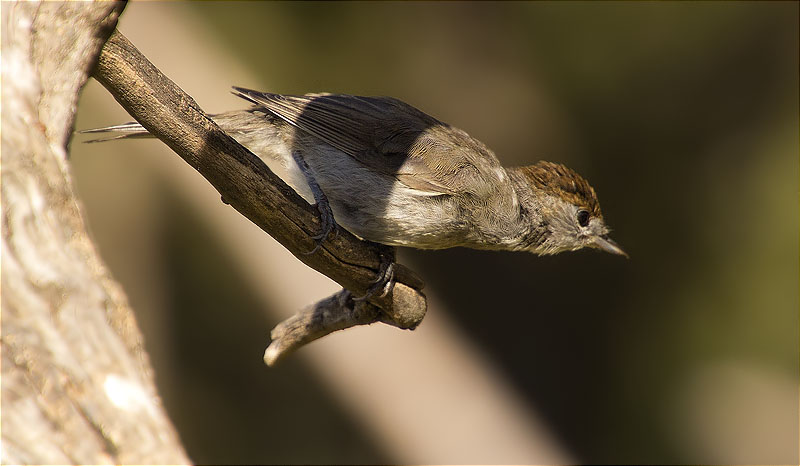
[[608, 245]]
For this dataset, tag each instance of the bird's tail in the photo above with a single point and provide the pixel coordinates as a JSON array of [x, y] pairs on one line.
[[123, 131]]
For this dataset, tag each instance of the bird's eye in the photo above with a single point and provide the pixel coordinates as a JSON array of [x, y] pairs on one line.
[[583, 218]]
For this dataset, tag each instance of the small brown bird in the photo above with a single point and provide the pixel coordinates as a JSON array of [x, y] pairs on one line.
[[392, 174]]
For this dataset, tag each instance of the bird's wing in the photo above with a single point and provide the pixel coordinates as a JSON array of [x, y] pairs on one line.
[[388, 136]]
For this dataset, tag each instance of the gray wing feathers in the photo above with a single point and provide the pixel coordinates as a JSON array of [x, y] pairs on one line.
[[383, 133], [336, 119]]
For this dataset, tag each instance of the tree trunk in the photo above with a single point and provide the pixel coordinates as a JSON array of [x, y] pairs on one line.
[[77, 386]]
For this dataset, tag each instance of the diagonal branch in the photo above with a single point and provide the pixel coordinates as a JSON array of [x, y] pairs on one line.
[[246, 183]]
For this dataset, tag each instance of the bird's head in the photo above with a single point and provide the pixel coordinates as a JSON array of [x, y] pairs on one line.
[[569, 213]]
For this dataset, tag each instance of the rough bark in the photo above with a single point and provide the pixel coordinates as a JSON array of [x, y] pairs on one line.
[[77, 386]]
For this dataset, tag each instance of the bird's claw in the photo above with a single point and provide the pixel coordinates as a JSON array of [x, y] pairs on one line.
[[385, 280], [327, 224], [326, 221]]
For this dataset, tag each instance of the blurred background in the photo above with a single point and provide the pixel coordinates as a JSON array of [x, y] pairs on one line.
[[683, 116]]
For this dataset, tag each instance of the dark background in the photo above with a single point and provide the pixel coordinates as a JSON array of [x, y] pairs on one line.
[[684, 118]]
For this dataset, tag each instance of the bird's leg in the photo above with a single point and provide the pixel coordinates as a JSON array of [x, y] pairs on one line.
[[326, 220], [385, 280]]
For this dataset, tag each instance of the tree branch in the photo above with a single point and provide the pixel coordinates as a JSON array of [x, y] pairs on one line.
[[246, 183]]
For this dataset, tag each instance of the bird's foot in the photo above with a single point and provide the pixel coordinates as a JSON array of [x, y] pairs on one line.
[[385, 280], [326, 221]]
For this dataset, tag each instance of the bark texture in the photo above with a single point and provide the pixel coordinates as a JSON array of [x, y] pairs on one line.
[[76, 384]]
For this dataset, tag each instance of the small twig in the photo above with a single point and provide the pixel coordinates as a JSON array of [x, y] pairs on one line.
[[246, 183], [336, 312]]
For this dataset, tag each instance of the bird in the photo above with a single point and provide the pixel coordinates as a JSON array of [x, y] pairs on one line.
[[392, 174]]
